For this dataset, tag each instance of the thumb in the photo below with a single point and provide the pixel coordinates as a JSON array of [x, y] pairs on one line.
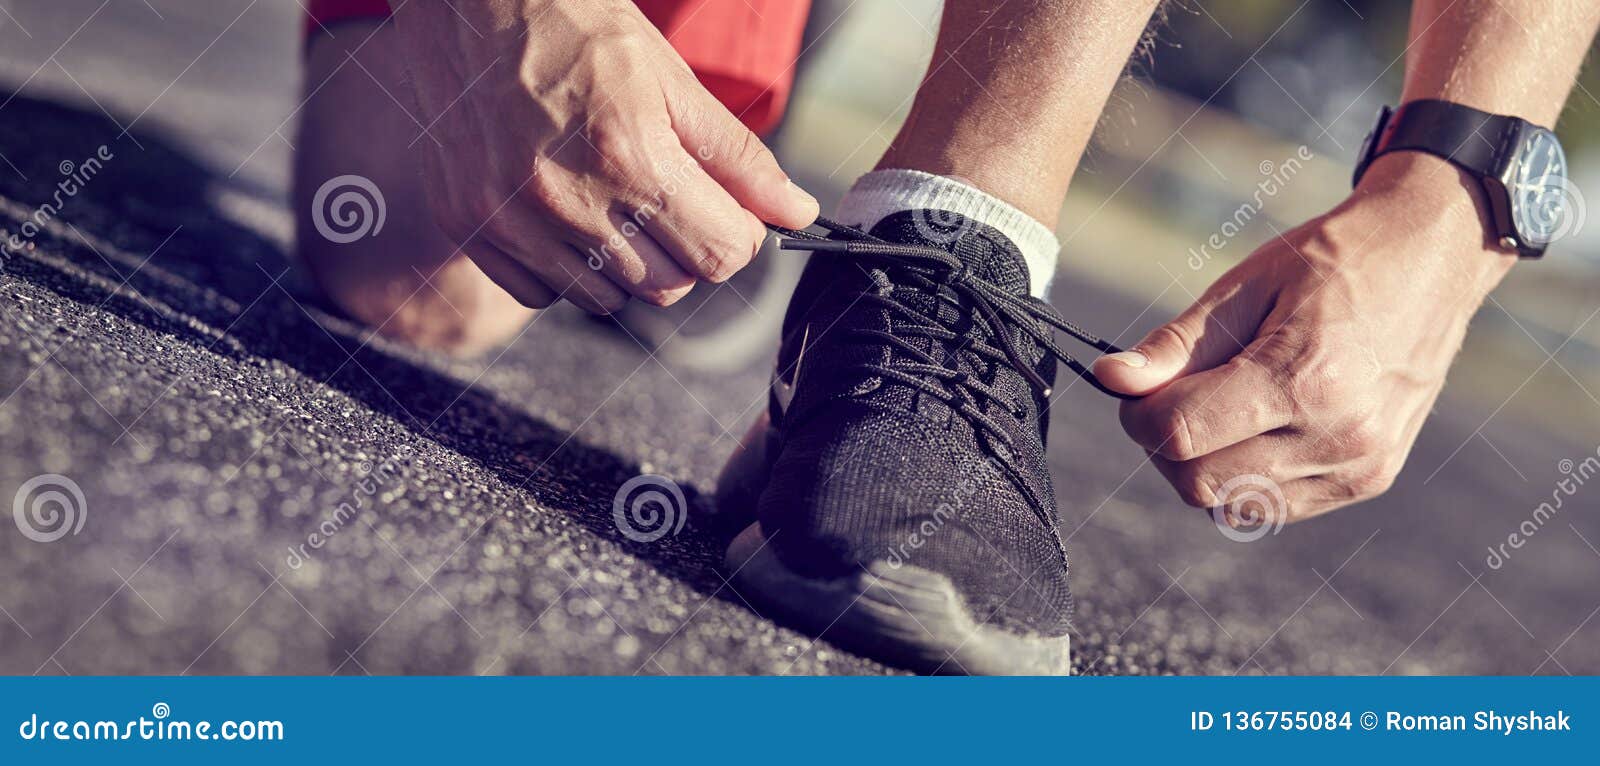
[[1199, 339], [737, 159]]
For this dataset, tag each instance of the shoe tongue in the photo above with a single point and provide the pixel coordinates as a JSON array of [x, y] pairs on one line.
[[988, 253]]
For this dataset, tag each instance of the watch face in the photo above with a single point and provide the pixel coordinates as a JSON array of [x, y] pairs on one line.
[[1544, 206]]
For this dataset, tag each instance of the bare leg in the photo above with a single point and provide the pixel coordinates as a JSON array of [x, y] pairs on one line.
[[409, 281], [1012, 95]]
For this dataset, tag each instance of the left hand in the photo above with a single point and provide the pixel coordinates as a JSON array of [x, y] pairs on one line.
[[1314, 362]]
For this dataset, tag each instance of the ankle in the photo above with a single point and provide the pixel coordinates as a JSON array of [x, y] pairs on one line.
[[881, 193]]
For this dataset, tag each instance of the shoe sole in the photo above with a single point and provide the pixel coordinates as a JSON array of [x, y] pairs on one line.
[[905, 615]]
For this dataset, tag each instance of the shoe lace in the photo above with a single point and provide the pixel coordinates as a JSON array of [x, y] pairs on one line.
[[928, 268]]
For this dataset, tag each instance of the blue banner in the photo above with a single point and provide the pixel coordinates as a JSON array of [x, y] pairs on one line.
[[792, 720]]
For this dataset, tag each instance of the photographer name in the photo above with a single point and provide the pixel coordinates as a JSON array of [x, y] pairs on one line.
[[1482, 720]]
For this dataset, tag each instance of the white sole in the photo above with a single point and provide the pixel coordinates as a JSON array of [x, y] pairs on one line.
[[904, 615]]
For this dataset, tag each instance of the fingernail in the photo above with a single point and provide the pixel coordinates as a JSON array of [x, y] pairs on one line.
[[801, 194], [1134, 359]]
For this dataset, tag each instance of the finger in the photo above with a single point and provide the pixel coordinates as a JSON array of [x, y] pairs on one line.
[[1316, 495], [568, 273], [510, 275], [1266, 464], [695, 221], [558, 260], [1276, 505], [634, 261], [1212, 410], [1205, 335], [737, 159]]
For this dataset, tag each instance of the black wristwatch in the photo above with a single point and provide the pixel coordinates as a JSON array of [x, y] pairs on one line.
[[1521, 166]]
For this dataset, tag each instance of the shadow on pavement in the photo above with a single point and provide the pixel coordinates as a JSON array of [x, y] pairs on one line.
[[206, 272]]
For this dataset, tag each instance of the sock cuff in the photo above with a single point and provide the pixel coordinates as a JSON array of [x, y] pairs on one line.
[[881, 193]]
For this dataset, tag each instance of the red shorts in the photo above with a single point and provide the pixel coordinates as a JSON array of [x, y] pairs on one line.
[[743, 51]]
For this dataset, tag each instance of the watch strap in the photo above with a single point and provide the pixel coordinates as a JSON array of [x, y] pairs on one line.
[[1470, 138]]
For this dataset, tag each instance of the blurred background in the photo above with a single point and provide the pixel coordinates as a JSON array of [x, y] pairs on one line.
[[1226, 95]]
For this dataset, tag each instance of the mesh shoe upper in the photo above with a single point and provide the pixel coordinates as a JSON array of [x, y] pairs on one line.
[[910, 426]]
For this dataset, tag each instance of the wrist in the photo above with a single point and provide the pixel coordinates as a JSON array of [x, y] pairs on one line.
[[1440, 211]]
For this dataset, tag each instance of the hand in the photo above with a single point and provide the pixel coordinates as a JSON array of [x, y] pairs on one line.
[[1314, 362], [570, 152]]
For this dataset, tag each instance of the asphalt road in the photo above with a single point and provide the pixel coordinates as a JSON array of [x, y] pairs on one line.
[[158, 349]]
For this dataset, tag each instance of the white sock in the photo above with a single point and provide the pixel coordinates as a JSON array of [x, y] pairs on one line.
[[881, 193]]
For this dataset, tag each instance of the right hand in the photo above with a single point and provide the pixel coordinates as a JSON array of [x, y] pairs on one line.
[[570, 152]]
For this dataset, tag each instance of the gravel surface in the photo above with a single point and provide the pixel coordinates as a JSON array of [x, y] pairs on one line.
[[158, 349]]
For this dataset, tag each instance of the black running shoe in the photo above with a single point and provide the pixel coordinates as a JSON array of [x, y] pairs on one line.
[[898, 480]]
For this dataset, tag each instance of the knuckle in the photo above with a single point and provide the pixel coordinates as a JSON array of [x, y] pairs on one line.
[[1368, 483], [603, 296], [1363, 437], [1274, 403], [549, 196], [1323, 375], [604, 303], [1173, 336], [1194, 488], [664, 296], [1296, 512], [609, 140], [629, 47], [657, 298], [669, 289], [1310, 384], [752, 152], [714, 266], [1176, 437], [644, 208], [617, 52], [737, 255]]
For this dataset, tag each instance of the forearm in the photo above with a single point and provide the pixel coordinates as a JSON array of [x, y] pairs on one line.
[[1516, 57], [1012, 94]]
